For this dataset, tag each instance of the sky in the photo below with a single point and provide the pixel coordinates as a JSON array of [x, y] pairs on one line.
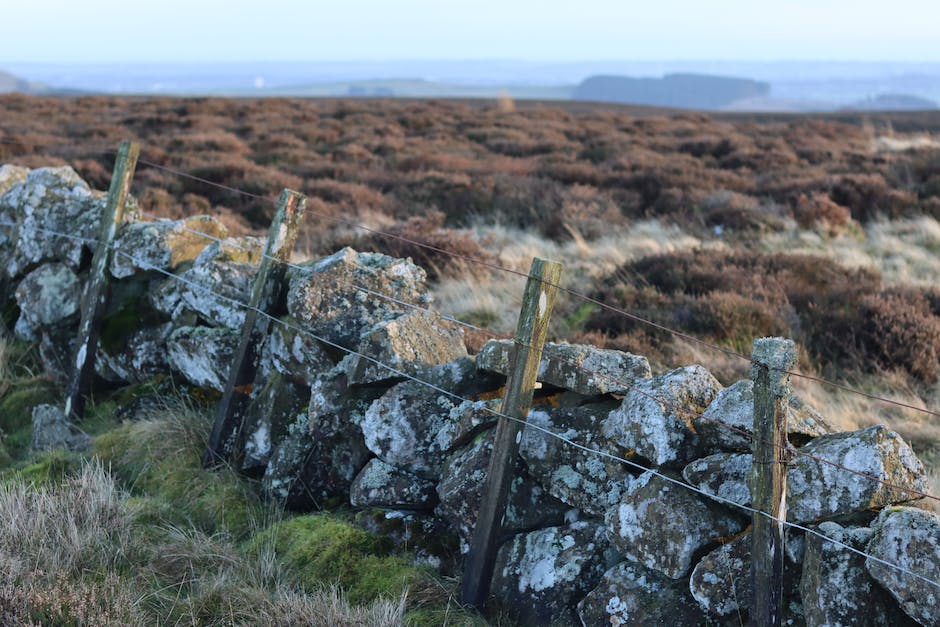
[[119, 31]]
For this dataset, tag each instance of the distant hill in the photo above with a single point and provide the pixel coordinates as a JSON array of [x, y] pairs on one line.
[[894, 102], [689, 91], [11, 83]]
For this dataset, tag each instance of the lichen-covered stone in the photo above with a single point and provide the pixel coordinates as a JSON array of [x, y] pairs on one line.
[[382, 485], [722, 474], [409, 344], [908, 538], [274, 404], [49, 201], [164, 244], [461, 488], [49, 295], [721, 582], [323, 449], [141, 355], [836, 589], [728, 422], [10, 175], [817, 490], [630, 595], [293, 353], [203, 355], [51, 429], [541, 575], [216, 286], [662, 525], [587, 481], [655, 418], [329, 295], [580, 368]]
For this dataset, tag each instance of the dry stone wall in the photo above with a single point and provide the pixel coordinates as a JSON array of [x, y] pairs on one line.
[[588, 539]]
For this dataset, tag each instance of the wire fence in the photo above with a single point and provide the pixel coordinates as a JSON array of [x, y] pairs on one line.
[[677, 409]]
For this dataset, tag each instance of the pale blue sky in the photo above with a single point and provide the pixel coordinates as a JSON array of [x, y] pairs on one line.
[[56, 31]]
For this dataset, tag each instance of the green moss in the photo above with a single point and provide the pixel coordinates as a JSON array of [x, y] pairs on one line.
[[16, 407], [322, 549], [46, 467], [432, 617]]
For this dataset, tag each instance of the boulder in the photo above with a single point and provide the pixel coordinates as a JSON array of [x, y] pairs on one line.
[[49, 295], [336, 297], [663, 525], [728, 422], [581, 368], [164, 244], [216, 286], [139, 356], [10, 175], [293, 353], [323, 449], [910, 539], [409, 344], [382, 485], [583, 480], [275, 403], [817, 490], [51, 428], [203, 355], [460, 490], [540, 576], [721, 581], [630, 595], [47, 202], [655, 417], [836, 589]]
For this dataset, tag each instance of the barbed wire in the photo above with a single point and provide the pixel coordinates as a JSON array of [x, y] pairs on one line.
[[399, 373]]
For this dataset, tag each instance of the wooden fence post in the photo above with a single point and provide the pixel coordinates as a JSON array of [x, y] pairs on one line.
[[538, 299], [266, 292], [96, 294], [770, 358]]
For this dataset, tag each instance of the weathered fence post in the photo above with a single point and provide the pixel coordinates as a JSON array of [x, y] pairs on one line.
[[538, 299], [266, 292], [770, 358], [95, 296]]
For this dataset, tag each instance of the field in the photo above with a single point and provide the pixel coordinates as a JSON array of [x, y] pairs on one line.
[[727, 228]]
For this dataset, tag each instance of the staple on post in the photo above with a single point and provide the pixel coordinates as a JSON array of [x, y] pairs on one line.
[[96, 294], [771, 358], [537, 303], [266, 292]]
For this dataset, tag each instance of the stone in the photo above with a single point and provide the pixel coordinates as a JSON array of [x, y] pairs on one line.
[[274, 404], [721, 581], [663, 525], [203, 355], [540, 576], [293, 353], [577, 367], [50, 201], [382, 485], [216, 287], [49, 295], [460, 490], [836, 589], [409, 344], [630, 595], [51, 428], [139, 357], [728, 422], [655, 418], [817, 490], [323, 449], [164, 244], [335, 297], [584, 480], [724, 475], [411, 427], [909, 538]]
